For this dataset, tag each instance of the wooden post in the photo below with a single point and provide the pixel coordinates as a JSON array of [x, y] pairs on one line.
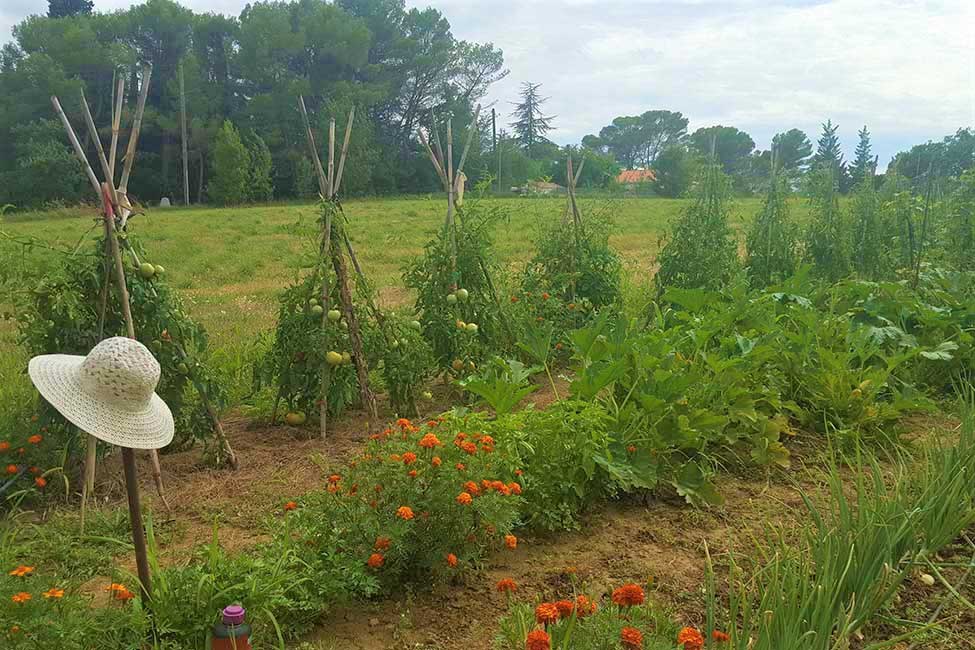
[[134, 134], [135, 517], [450, 209], [116, 124], [182, 120]]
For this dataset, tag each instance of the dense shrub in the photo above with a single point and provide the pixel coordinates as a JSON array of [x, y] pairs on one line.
[[42, 157], [260, 169]]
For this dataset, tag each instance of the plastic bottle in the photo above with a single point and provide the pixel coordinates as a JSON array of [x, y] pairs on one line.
[[232, 633]]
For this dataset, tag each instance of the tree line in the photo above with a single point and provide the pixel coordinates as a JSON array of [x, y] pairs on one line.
[[402, 69]]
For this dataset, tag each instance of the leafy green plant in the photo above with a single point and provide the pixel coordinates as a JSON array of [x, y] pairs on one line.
[[827, 241], [701, 251], [501, 384], [771, 240], [457, 300]]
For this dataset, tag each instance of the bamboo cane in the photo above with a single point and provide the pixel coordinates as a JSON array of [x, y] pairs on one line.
[[93, 132], [331, 158], [134, 134], [450, 207], [345, 149], [322, 184], [78, 150], [116, 125]]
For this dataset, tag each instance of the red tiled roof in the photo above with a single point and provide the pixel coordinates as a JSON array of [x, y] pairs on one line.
[[629, 176]]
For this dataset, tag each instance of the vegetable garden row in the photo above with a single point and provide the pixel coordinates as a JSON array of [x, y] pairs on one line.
[[836, 328]]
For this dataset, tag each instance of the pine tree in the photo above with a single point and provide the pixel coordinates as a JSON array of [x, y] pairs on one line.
[[66, 8], [828, 153], [231, 167], [863, 163], [531, 125]]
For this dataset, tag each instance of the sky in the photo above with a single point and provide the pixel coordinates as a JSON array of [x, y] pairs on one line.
[[903, 68]]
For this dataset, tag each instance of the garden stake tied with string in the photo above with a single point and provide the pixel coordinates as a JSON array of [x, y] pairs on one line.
[[333, 226]]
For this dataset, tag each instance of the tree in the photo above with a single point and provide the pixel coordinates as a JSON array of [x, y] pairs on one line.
[[731, 146], [792, 150], [638, 140], [259, 183], [231, 167], [531, 124], [673, 170], [828, 153], [863, 163], [67, 8]]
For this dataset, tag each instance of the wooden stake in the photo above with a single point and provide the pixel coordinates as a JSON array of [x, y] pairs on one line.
[[116, 125], [93, 132], [182, 120], [78, 150], [345, 150], [134, 134], [331, 158], [322, 181], [135, 517], [450, 208]]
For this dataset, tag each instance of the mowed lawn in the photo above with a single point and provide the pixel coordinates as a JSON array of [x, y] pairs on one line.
[[229, 263]]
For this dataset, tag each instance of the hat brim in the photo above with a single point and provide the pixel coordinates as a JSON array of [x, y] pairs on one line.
[[57, 378]]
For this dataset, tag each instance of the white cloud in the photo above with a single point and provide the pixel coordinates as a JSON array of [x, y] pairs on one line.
[[906, 68]]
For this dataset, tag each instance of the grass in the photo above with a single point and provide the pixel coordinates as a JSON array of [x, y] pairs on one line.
[[229, 263]]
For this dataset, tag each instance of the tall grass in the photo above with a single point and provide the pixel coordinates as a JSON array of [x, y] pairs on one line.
[[855, 554]]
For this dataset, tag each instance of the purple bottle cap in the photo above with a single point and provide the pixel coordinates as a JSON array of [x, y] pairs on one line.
[[233, 615]]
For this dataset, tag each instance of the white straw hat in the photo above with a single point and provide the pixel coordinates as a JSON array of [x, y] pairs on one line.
[[108, 394]]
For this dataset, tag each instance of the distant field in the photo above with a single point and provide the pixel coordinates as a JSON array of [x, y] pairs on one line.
[[229, 262]]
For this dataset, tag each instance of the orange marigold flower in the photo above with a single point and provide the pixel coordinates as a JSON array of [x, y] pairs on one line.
[[629, 595], [405, 512], [471, 486], [375, 561], [486, 485], [411, 473], [585, 607], [510, 541], [460, 467], [290, 505], [395, 458], [487, 440], [469, 447], [334, 478], [631, 638], [571, 305], [40, 481], [631, 449], [719, 636], [518, 472], [403, 423], [4, 445], [15, 629], [464, 499], [451, 560], [515, 488], [409, 458], [22, 571], [690, 638], [379, 488], [545, 296], [429, 441], [506, 584], [546, 613], [436, 462], [538, 640], [125, 594], [333, 488], [54, 592], [539, 319], [21, 597], [11, 469], [565, 608], [382, 543], [514, 299], [36, 438]]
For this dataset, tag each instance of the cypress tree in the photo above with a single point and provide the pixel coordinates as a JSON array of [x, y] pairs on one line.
[[863, 162]]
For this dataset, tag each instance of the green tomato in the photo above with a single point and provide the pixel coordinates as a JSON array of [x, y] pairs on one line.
[[160, 269], [394, 344], [317, 310], [156, 346], [334, 315], [312, 302], [415, 325], [333, 358], [462, 295], [183, 369], [471, 328], [147, 270], [346, 358], [295, 419], [451, 299], [404, 343], [427, 395]]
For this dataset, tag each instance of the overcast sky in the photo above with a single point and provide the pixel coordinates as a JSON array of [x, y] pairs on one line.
[[905, 68]]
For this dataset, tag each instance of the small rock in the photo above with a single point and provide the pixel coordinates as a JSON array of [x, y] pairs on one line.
[[373, 622]]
